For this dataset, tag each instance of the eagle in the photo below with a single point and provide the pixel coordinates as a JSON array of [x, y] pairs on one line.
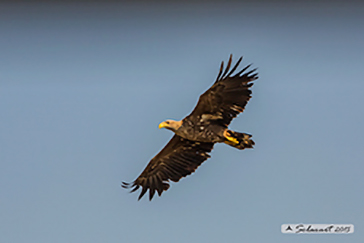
[[195, 135]]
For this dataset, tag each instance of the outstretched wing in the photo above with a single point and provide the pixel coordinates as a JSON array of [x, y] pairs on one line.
[[179, 158], [228, 96]]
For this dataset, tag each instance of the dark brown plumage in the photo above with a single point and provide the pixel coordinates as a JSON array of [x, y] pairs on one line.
[[196, 134]]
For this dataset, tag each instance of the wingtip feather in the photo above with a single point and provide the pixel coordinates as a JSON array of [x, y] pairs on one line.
[[125, 185], [220, 71], [144, 190], [228, 66]]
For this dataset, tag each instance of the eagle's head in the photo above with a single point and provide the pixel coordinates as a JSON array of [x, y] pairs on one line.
[[171, 125]]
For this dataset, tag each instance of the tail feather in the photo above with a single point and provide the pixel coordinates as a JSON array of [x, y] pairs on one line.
[[238, 140]]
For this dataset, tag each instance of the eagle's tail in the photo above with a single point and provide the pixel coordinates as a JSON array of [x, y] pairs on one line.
[[238, 140]]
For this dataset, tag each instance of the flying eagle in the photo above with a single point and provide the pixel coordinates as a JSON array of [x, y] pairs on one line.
[[196, 134]]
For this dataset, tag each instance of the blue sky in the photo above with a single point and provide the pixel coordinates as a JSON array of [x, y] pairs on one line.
[[84, 87]]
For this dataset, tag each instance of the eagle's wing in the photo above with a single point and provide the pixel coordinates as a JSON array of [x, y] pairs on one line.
[[179, 158], [227, 97]]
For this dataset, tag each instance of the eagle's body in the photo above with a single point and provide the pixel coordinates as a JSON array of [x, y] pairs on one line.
[[201, 129], [196, 134]]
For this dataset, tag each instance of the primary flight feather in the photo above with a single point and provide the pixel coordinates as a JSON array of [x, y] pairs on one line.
[[196, 134]]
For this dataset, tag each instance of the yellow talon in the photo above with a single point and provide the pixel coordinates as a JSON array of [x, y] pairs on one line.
[[232, 139]]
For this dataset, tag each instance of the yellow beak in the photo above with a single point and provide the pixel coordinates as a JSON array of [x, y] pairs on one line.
[[162, 125]]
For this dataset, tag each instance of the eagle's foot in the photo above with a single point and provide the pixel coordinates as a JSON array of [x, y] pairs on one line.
[[238, 140]]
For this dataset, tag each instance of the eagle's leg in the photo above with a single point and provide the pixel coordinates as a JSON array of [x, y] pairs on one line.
[[238, 140]]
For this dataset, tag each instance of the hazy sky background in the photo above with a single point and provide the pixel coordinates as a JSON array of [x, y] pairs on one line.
[[83, 88]]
